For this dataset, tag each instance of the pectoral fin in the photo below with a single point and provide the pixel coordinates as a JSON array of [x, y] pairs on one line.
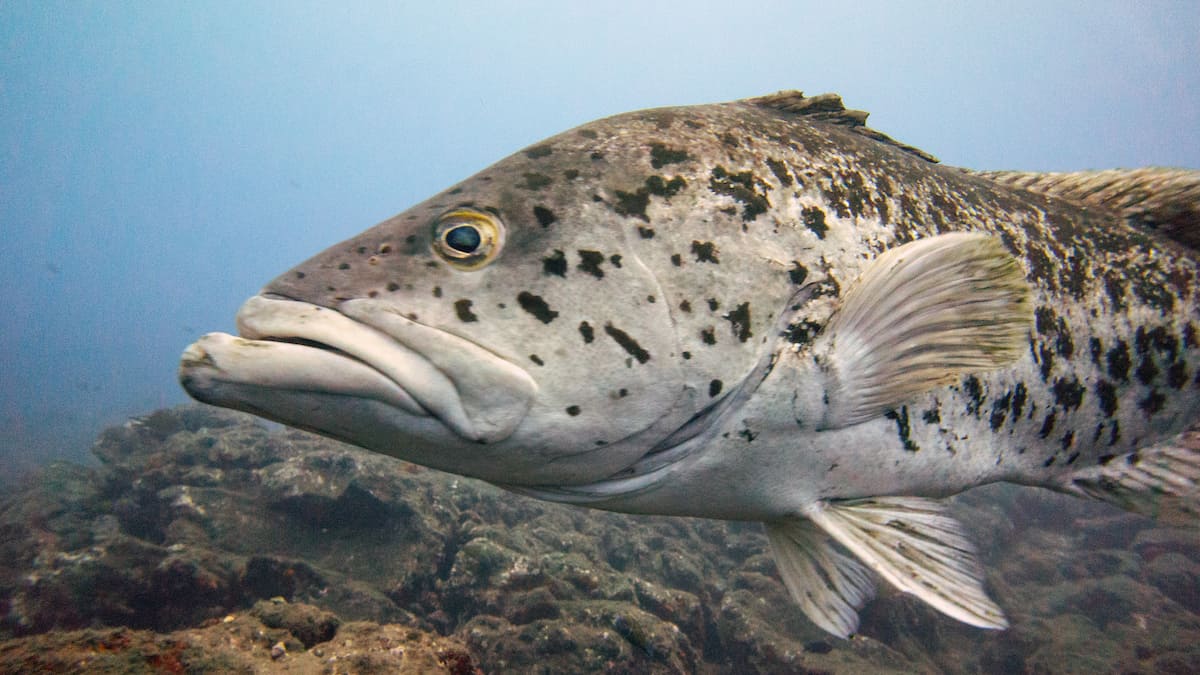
[[921, 316], [829, 586], [913, 544]]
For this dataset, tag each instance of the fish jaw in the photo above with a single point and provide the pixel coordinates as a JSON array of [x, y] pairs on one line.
[[291, 350]]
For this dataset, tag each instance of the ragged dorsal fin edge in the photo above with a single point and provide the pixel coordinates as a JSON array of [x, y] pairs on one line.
[[1165, 200], [829, 108]]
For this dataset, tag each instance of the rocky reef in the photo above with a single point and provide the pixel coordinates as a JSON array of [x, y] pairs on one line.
[[207, 541]]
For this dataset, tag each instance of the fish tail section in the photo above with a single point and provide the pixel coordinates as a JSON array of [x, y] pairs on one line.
[[1161, 480]]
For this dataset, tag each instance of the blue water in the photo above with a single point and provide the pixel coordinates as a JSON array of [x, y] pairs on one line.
[[159, 162]]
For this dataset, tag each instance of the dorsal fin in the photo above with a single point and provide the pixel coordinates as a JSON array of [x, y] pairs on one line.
[[1164, 200], [829, 108]]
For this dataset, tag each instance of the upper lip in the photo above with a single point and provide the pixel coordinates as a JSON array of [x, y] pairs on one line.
[[471, 390]]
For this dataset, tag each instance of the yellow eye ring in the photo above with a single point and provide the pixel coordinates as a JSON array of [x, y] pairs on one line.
[[467, 239]]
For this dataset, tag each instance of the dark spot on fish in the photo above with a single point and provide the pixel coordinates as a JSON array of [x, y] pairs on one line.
[[536, 359], [687, 355], [627, 343], [650, 299], [1177, 374], [1067, 439], [555, 264], [300, 275], [713, 305], [535, 305], [1152, 403], [1044, 320], [705, 251], [685, 306], [597, 156], [1114, 285], [585, 329], [622, 392], [1048, 424], [1096, 349], [1118, 362], [1096, 434], [1000, 408], [814, 219], [588, 133], [572, 410], [798, 273], [437, 291], [931, 416], [362, 250], [571, 174], [730, 140], [739, 321], [661, 155], [742, 187], [1107, 393], [463, 309], [1115, 434], [1189, 335], [373, 294], [1146, 371], [344, 266], [748, 435], [597, 198], [1072, 457], [1018, 400], [802, 332], [1048, 462], [590, 261], [1068, 393], [676, 260], [537, 152], [645, 232], [708, 336], [545, 216], [781, 172], [974, 391], [615, 260], [660, 187], [535, 181], [634, 203], [714, 388], [1046, 361], [903, 428], [393, 286]]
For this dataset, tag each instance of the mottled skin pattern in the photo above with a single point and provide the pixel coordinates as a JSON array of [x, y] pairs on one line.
[[655, 259]]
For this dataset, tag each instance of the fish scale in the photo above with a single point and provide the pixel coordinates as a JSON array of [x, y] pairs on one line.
[[757, 310]]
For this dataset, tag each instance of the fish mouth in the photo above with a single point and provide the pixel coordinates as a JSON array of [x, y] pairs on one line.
[[363, 349]]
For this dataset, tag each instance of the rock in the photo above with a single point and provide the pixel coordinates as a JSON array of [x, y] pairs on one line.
[[239, 644], [348, 559]]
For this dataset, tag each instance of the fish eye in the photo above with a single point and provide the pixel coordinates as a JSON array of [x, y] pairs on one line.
[[467, 239]]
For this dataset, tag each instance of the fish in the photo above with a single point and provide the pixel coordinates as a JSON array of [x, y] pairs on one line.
[[759, 310]]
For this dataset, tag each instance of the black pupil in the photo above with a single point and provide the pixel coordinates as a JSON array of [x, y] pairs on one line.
[[463, 238]]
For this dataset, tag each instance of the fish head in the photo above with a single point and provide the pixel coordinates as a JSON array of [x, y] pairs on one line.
[[504, 329]]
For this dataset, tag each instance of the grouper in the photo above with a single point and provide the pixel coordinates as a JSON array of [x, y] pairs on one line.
[[761, 310]]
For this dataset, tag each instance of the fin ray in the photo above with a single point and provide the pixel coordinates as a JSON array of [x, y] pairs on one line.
[[1161, 480], [913, 544], [829, 586], [922, 315]]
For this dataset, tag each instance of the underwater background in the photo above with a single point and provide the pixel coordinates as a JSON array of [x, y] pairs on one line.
[[159, 162]]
